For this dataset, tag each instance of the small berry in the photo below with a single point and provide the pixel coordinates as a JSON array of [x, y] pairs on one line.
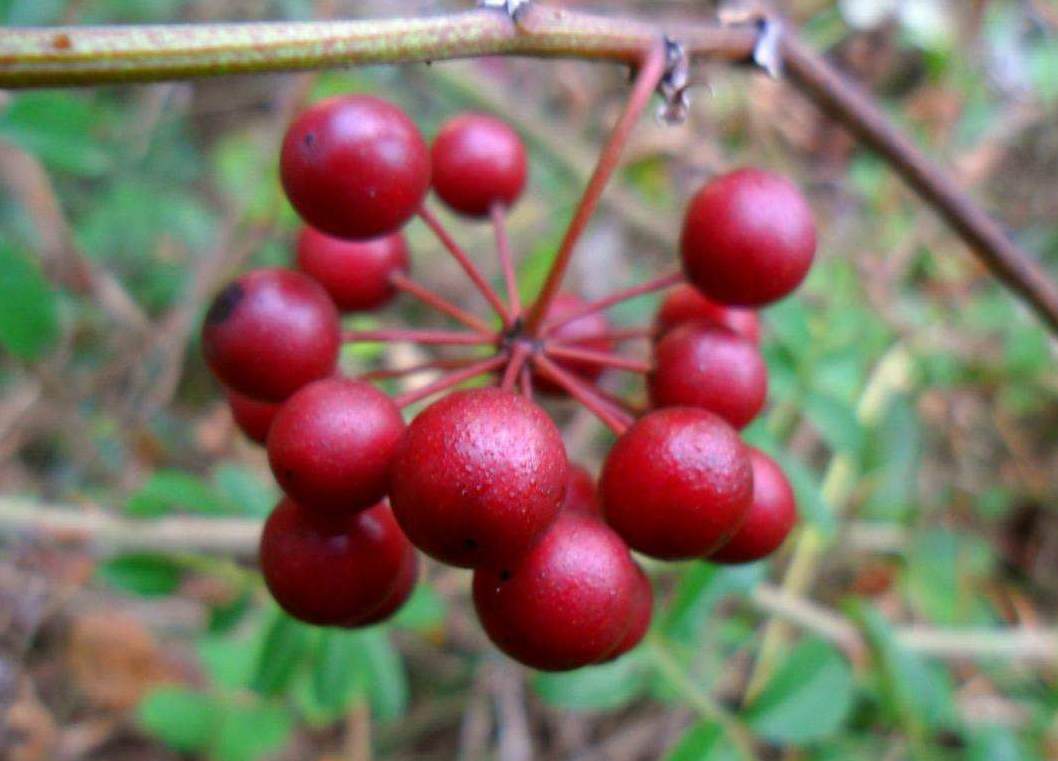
[[401, 592], [700, 364], [748, 238], [330, 572], [331, 444], [270, 332], [356, 274], [579, 333], [254, 418], [639, 616], [581, 494], [685, 303], [677, 483], [355, 167], [478, 160], [770, 519], [478, 476], [568, 603]]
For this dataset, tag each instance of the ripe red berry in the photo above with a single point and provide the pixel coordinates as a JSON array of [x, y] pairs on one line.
[[770, 519], [580, 491], [254, 418], [334, 571], [699, 364], [331, 444], [478, 160], [270, 332], [401, 592], [748, 238], [639, 616], [677, 483], [685, 303], [577, 332], [478, 477], [355, 167], [568, 602], [356, 274]]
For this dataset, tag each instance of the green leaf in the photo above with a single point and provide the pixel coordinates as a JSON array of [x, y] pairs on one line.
[[60, 128], [249, 732], [807, 699], [29, 310], [243, 488], [605, 687], [230, 662], [702, 742], [286, 647], [385, 677], [337, 676], [142, 574], [836, 423], [941, 575], [182, 719], [998, 744], [702, 586], [168, 490], [424, 612]]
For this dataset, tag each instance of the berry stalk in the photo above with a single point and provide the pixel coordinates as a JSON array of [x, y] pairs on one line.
[[617, 420], [602, 358], [438, 337], [427, 296], [451, 380], [657, 284], [503, 249], [401, 372]]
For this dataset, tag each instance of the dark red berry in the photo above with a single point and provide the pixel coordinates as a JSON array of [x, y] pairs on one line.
[[401, 592], [478, 160], [355, 166], [677, 483], [478, 476], [567, 604], [334, 571], [580, 491], [639, 616], [356, 274], [770, 519], [254, 418], [577, 333], [748, 238], [685, 303], [331, 444], [699, 364], [270, 332]]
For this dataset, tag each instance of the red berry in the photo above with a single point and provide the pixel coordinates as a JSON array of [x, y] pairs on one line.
[[355, 167], [580, 491], [270, 332], [331, 572], [401, 592], [478, 477], [703, 365], [331, 444], [685, 303], [639, 616], [254, 418], [478, 160], [577, 332], [770, 519], [567, 603], [748, 238], [677, 483], [356, 274]]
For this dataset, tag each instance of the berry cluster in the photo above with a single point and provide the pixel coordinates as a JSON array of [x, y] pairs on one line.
[[480, 478]]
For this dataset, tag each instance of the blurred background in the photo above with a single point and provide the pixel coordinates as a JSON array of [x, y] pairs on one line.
[[913, 401]]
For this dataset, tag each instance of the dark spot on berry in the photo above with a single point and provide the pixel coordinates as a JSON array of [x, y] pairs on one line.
[[309, 140], [505, 575], [470, 544], [225, 304]]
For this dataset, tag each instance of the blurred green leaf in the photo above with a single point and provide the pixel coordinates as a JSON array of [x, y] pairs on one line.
[[998, 744], [182, 719], [168, 490], [249, 732], [702, 742], [337, 676], [60, 128], [424, 612], [286, 647], [893, 455], [604, 687], [942, 573], [142, 574], [29, 312], [837, 424], [244, 488], [807, 699], [702, 586], [385, 677], [231, 661]]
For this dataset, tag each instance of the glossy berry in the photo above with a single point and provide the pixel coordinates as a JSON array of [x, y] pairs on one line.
[[580, 491], [639, 616], [331, 444], [332, 572], [355, 167], [356, 274], [577, 332], [478, 160], [400, 594], [699, 364], [254, 418], [270, 332], [748, 238], [478, 477], [677, 484], [770, 519], [567, 604], [685, 303]]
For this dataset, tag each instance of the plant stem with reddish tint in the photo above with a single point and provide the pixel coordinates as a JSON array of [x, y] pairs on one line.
[[602, 358], [400, 372], [519, 356], [617, 335], [404, 283], [503, 249], [617, 420], [657, 284], [439, 337], [452, 379]]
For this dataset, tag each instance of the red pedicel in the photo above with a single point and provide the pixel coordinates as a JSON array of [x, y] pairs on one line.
[[577, 333]]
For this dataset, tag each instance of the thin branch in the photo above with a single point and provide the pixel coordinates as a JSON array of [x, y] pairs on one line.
[[451, 380], [519, 356], [650, 73], [404, 283], [616, 335], [526, 382], [466, 263], [401, 372], [657, 284], [503, 249], [601, 358], [439, 337], [617, 420]]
